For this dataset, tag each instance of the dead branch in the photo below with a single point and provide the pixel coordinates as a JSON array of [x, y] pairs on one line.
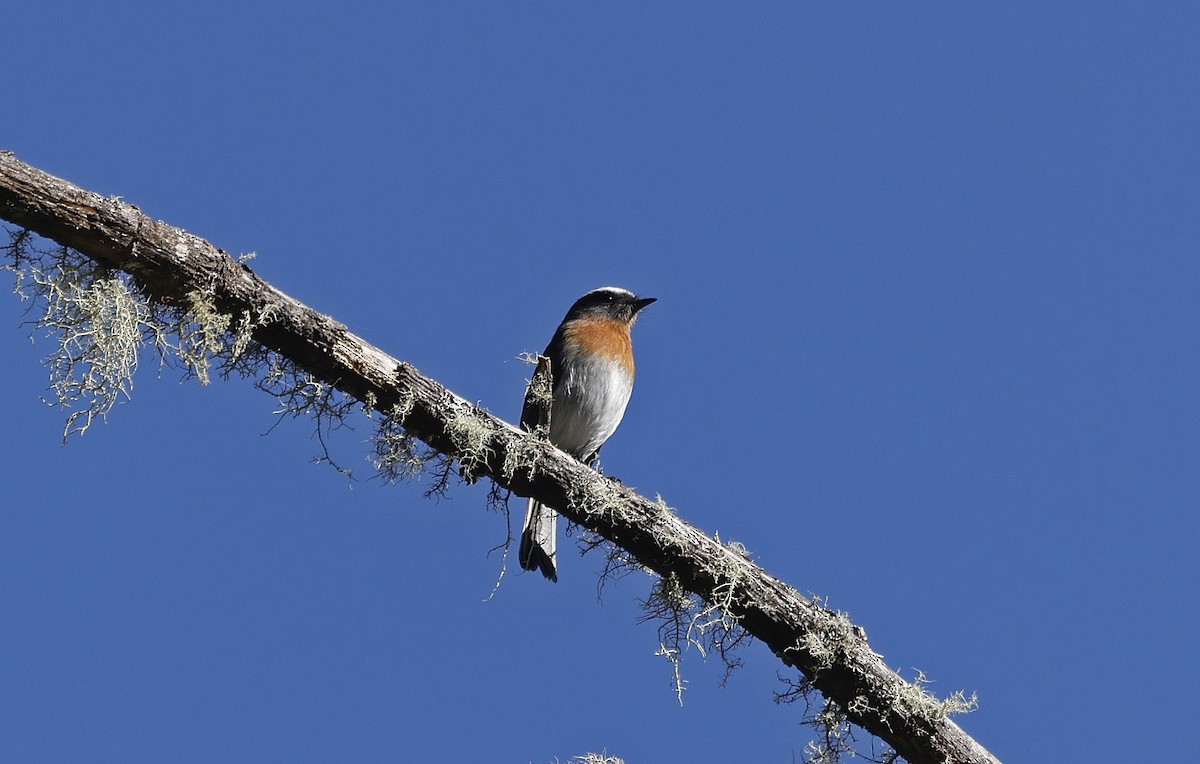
[[169, 264]]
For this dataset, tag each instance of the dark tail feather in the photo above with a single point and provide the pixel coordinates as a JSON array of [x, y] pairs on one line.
[[539, 540]]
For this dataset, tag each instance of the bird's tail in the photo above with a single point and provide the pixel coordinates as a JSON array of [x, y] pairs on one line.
[[539, 540]]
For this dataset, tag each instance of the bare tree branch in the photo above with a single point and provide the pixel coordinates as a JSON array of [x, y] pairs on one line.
[[171, 266]]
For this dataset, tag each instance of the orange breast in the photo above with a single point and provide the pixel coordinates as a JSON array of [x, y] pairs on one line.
[[604, 337]]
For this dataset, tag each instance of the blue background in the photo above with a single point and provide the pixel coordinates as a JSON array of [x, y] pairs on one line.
[[927, 343]]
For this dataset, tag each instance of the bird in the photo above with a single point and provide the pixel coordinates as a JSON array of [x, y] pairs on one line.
[[591, 365]]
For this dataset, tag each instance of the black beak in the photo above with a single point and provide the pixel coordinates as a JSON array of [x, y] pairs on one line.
[[642, 302]]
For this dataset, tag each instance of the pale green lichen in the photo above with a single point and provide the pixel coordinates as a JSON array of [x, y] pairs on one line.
[[395, 453], [206, 336], [526, 454], [836, 741], [837, 735], [99, 322], [830, 642], [203, 335], [597, 758], [917, 699], [471, 435], [687, 621], [370, 403], [243, 333], [594, 494], [706, 624]]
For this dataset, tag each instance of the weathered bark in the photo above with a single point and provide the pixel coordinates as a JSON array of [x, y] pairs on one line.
[[168, 263]]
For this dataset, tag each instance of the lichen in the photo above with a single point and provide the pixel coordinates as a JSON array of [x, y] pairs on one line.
[[395, 453], [687, 621], [596, 758], [98, 322], [471, 435]]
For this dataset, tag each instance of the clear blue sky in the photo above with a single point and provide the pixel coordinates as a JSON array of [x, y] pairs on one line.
[[927, 342]]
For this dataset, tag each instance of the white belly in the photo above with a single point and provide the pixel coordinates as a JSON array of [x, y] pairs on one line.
[[588, 406]]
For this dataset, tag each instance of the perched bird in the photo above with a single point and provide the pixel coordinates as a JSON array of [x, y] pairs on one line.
[[591, 364]]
